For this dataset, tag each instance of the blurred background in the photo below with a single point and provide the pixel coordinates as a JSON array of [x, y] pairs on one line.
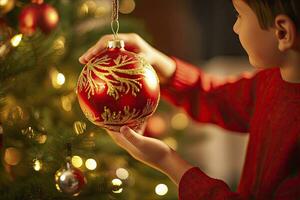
[[39, 112]]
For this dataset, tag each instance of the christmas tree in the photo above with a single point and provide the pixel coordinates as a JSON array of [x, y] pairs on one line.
[[49, 150]]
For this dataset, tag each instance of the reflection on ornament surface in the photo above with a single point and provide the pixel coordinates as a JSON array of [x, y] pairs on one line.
[[70, 180], [117, 185]]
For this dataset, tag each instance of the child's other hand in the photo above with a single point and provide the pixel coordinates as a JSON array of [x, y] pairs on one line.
[[145, 149], [163, 65], [152, 152]]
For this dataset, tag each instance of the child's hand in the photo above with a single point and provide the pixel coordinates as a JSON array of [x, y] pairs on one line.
[[152, 152], [163, 65]]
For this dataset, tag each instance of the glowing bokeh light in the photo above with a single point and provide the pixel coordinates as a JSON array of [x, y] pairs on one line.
[[15, 41], [122, 173], [76, 161], [91, 164], [161, 189], [179, 121]]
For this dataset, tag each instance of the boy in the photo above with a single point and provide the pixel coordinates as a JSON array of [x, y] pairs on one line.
[[266, 105]]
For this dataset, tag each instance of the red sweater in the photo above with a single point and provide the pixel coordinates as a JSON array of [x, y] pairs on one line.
[[265, 106]]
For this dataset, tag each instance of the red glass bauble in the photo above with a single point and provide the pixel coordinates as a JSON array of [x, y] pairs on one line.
[[48, 18], [118, 87], [28, 19]]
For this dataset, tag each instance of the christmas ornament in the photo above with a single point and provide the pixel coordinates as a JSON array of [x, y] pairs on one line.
[[117, 87], [48, 18], [28, 19], [40, 15], [6, 6], [69, 179]]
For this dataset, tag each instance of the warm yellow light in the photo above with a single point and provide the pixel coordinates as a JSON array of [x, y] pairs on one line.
[[156, 125], [12, 156], [66, 103], [122, 173], [127, 6], [118, 191], [79, 127], [161, 189], [15, 41], [83, 10], [117, 185], [116, 182], [151, 79], [3, 2], [37, 165], [171, 142], [179, 121], [57, 78], [60, 79], [91, 164], [52, 17], [41, 139], [76, 161], [59, 43]]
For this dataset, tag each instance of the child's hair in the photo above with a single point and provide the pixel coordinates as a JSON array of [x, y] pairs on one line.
[[267, 10]]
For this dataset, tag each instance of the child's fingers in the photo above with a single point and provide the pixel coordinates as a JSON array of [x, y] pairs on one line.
[[82, 58], [131, 40], [122, 141], [134, 138], [95, 49]]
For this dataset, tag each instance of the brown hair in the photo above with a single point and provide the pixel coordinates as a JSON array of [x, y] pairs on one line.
[[267, 10]]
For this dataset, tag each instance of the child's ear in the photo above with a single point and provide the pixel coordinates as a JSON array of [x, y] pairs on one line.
[[285, 32]]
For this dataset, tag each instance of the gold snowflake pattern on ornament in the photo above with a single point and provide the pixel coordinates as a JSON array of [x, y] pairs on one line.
[[117, 84], [127, 115]]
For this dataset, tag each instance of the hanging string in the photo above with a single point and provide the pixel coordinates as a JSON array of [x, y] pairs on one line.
[[115, 18], [69, 154]]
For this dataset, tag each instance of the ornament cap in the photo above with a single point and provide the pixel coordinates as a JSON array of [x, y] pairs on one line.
[[116, 44]]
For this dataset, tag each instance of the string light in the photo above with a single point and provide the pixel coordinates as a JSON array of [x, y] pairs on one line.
[[79, 127], [91, 164], [37, 165], [161, 189], [3, 2], [117, 185], [76, 161], [179, 121], [59, 45], [156, 125], [66, 103], [57, 78], [122, 173], [15, 41], [41, 139], [127, 6], [60, 79], [12, 156]]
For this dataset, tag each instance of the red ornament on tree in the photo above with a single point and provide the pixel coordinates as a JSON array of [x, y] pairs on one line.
[[118, 87], [38, 14], [28, 19], [48, 18]]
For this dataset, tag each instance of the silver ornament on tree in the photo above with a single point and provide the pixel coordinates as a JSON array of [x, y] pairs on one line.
[[68, 179]]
